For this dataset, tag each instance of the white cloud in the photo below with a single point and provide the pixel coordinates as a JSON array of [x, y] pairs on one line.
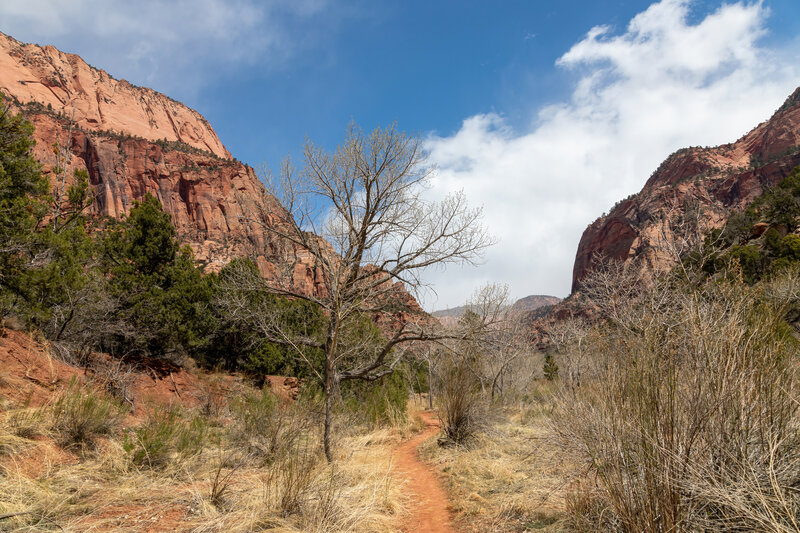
[[662, 84], [170, 45]]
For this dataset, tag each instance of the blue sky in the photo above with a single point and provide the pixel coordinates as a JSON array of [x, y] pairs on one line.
[[545, 113]]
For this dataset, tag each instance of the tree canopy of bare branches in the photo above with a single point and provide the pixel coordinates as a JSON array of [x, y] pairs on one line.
[[359, 214]]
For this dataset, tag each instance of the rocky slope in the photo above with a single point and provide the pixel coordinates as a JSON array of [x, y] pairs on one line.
[[694, 190]]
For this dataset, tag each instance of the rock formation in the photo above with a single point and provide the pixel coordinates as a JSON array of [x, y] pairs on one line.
[[96, 101], [692, 191], [133, 141]]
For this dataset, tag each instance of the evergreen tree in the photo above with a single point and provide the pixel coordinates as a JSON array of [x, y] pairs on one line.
[[550, 368], [22, 189], [163, 297]]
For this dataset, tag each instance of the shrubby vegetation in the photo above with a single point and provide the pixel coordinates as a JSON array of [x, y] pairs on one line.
[[689, 416], [687, 409], [247, 461], [758, 255]]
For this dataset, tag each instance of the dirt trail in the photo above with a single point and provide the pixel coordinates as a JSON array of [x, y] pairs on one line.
[[430, 514]]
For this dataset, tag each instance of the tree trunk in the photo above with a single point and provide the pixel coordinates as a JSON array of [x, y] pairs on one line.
[[326, 439], [330, 385], [430, 388]]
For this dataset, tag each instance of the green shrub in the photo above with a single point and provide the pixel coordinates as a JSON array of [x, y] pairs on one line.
[[162, 297], [550, 368], [80, 415], [166, 436], [240, 340], [380, 402]]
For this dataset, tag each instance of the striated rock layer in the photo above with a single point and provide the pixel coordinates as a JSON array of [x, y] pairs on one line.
[[693, 191], [213, 202]]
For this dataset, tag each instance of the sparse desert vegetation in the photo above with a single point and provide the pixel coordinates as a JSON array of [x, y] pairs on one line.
[[510, 478], [73, 464]]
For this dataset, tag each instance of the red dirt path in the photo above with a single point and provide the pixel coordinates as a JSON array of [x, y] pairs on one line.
[[430, 508]]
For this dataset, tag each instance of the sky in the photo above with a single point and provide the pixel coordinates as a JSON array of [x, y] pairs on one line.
[[543, 113]]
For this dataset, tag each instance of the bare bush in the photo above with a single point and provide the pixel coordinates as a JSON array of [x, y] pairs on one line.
[[462, 408], [266, 427], [290, 479], [227, 464], [115, 376], [572, 355], [693, 423]]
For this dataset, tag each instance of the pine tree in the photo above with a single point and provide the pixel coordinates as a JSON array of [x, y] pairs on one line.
[[550, 368]]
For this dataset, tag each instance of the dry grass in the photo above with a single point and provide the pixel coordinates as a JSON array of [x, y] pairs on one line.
[[509, 479], [219, 487]]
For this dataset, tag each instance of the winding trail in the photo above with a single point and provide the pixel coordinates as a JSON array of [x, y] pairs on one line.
[[430, 514]]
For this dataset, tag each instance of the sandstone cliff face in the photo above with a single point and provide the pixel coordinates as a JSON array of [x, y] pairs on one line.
[[116, 132], [694, 189], [213, 202], [95, 100]]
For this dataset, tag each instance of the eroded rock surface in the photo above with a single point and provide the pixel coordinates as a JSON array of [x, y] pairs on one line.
[[693, 191]]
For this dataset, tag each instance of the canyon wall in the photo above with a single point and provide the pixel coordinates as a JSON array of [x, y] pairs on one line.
[[133, 141], [692, 191]]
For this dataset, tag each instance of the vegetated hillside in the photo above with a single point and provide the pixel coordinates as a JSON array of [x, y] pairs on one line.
[[692, 191], [117, 447]]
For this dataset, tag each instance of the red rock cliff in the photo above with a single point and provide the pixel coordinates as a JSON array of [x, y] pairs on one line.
[[694, 187], [95, 100], [133, 141]]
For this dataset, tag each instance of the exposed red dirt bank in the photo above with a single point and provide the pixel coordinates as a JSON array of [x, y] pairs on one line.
[[430, 509]]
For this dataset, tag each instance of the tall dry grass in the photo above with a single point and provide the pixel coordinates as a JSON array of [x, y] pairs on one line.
[[171, 472], [510, 478]]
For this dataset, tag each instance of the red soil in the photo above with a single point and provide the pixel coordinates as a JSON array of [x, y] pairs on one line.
[[29, 373]]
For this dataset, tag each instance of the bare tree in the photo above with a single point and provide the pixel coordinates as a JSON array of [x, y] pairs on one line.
[[568, 338], [62, 153], [501, 334], [359, 215]]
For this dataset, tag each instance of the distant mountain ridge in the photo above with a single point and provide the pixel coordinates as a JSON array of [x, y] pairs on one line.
[[534, 301], [528, 303]]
